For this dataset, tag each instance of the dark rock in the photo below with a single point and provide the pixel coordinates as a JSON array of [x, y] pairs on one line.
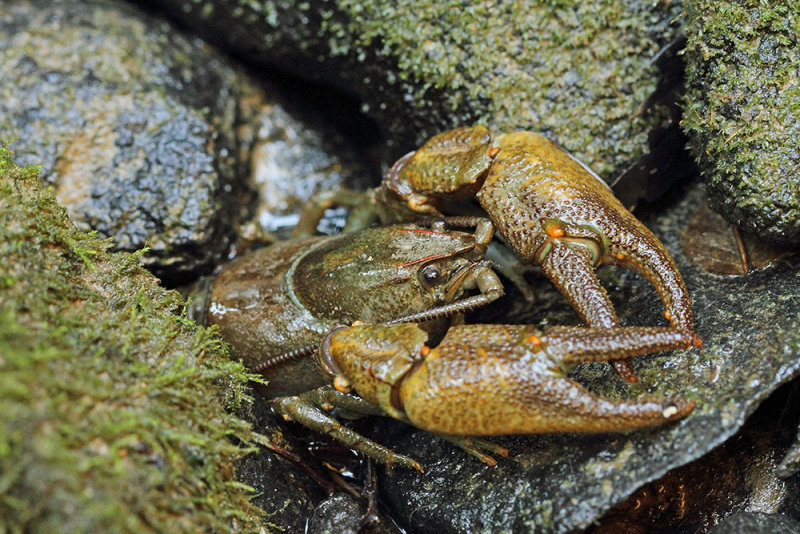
[[131, 122], [162, 148], [757, 523], [739, 475], [342, 513], [283, 490], [742, 111]]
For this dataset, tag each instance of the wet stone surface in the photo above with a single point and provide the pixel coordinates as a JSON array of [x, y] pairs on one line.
[[283, 490], [171, 147], [756, 523], [560, 483], [342, 513], [138, 145], [740, 475], [295, 155]]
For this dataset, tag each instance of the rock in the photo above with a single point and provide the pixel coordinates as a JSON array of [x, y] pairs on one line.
[[341, 513], [155, 148], [742, 111], [757, 523], [741, 474], [131, 122], [113, 407], [285, 493], [295, 155], [137, 146], [583, 73]]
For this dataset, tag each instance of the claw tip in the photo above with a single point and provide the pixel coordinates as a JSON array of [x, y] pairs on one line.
[[670, 411], [341, 384]]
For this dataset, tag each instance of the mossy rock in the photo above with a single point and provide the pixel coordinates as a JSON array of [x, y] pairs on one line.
[[583, 73], [742, 111], [114, 408]]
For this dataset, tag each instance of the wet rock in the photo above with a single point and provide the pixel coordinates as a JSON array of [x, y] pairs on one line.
[[162, 148], [560, 483], [743, 111], [283, 490], [131, 122], [581, 72], [295, 155], [756, 523], [741, 474], [342, 513]]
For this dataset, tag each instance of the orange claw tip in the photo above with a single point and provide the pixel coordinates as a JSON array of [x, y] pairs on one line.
[[493, 152], [696, 341], [425, 350], [667, 315], [341, 384], [555, 231]]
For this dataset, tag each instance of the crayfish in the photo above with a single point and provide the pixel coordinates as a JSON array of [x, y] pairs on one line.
[[398, 287]]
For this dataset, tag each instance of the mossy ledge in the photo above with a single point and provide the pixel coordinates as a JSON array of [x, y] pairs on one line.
[[742, 111], [115, 410], [580, 72]]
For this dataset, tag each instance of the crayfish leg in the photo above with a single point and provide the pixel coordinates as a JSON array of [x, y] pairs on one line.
[[304, 410], [476, 447]]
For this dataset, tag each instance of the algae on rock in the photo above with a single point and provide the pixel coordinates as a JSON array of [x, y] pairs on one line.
[[580, 72], [114, 409], [742, 111]]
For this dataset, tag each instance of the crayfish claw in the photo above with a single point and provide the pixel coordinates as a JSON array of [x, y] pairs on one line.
[[633, 246], [571, 270]]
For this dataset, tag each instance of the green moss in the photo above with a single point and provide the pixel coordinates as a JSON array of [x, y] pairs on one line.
[[112, 406], [743, 111], [579, 71]]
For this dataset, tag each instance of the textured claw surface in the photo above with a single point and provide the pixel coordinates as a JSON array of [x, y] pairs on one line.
[[531, 184], [484, 380]]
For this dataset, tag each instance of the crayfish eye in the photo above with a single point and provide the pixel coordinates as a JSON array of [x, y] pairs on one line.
[[430, 275]]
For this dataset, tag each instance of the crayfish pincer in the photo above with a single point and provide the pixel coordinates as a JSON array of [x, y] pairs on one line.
[[487, 379]]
